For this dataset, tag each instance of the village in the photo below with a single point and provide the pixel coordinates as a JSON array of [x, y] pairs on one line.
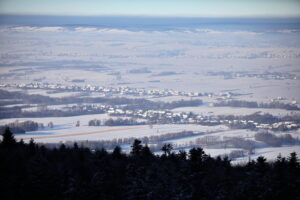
[[169, 117], [155, 112], [109, 91], [254, 121]]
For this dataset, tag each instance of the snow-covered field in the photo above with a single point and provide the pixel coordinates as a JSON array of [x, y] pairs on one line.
[[61, 121], [105, 57], [68, 132], [246, 134], [270, 153], [48, 93], [178, 58], [65, 130]]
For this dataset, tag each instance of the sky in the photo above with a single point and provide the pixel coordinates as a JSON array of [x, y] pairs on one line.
[[172, 8]]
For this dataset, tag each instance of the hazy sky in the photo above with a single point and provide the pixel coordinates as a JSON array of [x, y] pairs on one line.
[[187, 8]]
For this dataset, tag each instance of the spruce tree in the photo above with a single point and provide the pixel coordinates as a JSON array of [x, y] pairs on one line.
[[136, 147], [8, 138], [167, 148], [117, 152]]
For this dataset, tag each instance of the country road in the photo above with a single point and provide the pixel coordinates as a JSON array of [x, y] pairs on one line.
[[80, 133]]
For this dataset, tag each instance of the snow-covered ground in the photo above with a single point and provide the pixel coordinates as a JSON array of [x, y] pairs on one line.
[[175, 58], [105, 57], [69, 132], [62, 121], [270, 153], [221, 134], [65, 130], [48, 93]]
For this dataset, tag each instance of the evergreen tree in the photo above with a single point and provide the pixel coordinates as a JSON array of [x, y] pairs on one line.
[[136, 147], [197, 155], [8, 138], [146, 152], [31, 171], [294, 160], [117, 152], [167, 148]]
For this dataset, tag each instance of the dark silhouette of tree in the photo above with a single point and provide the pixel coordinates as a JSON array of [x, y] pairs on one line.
[[50, 125], [75, 147], [261, 163], [136, 147], [8, 138], [182, 155], [117, 152], [293, 160], [146, 152], [197, 155], [167, 148], [32, 171]]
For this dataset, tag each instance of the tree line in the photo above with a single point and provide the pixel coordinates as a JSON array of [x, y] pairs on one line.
[[127, 104], [30, 171], [115, 122], [22, 127], [154, 142], [253, 104], [276, 141]]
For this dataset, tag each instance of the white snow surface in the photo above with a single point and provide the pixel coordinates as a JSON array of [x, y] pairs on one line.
[[65, 132]]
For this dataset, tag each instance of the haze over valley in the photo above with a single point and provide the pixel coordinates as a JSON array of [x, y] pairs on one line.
[[229, 85]]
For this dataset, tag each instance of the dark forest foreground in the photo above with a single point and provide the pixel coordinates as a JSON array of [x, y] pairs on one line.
[[30, 171]]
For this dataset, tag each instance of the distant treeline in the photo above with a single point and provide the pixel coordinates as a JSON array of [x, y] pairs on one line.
[[122, 122], [139, 103], [261, 118], [30, 171], [16, 112], [22, 127], [115, 122], [276, 141], [10, 98], [252, 104], [226, 142], [155, 142], [23, 98], [94, 122]]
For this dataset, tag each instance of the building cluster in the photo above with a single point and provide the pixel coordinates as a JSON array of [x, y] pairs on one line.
[[250, 124], [155, 116], [167, 116], [107, 91]]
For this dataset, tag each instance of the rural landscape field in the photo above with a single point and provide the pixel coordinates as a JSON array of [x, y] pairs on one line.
[[149, 100], [231, 86]]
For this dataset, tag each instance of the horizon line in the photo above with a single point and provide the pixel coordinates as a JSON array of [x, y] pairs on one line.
[[158, 16]]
